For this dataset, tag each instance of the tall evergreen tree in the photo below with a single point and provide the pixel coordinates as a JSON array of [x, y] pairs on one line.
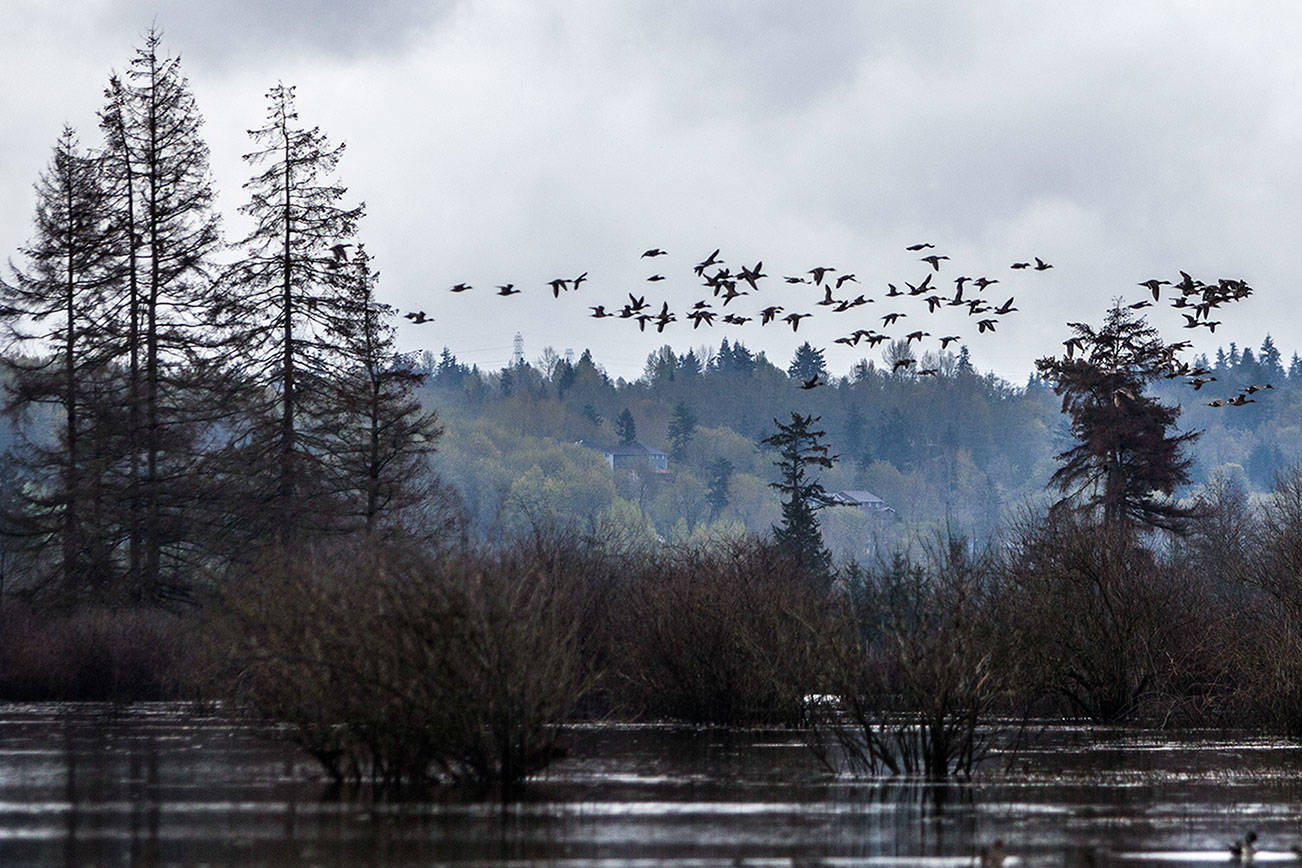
[[1126, 462], [800, 448], [1270, 360], [157, 166], [808, 363], [626, 427], [682, 426], [381, 437], [720, 471], [52, 313], [287, 301]]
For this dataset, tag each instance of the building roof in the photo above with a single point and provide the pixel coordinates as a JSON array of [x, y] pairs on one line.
[[622, 449], [855, 497]]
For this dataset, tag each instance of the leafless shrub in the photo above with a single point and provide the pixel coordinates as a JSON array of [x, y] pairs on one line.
[[391, 664], [723, 635], [918, 665], [1105, 618], [94, 653]]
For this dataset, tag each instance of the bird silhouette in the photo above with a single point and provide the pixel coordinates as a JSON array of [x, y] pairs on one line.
[[340, 252], [1041, 265], [1020, 265], [750, 275], [653, 252], [819, 272], [655, 278], [934, 260], [795, 318], [914, 248], [891, 318], [576, 281], [507, 289], [812, 383], [903, 363], [1155, 287], [947, 340], [418, 317], [768, 313], [599, 311], [1006, 307], [712, 259], [557, 285], [846, 278], [986, 325], [461, 287], [701, 316]]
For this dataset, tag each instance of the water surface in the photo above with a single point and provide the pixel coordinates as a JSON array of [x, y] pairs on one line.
[[158, 784]]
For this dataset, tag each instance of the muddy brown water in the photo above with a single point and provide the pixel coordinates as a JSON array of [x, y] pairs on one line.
[[162, 784]]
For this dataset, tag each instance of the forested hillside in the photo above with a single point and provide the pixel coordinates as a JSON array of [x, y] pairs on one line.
[[964, 447]]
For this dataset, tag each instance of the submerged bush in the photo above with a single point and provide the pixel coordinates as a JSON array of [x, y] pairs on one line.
[[918, 665], [392, 664], [1111, 626], [719, 634], [93, 653]]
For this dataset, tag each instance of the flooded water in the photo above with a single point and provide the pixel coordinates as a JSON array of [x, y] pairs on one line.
[[159, 784]]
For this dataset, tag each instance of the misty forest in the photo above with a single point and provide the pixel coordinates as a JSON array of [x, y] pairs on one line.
[[223, 483]]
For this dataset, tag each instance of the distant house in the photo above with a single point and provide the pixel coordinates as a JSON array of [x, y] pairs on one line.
[[631, 456], [865, 501]]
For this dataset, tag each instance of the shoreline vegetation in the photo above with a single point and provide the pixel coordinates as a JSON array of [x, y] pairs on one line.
[[222, 482], [409, 666]]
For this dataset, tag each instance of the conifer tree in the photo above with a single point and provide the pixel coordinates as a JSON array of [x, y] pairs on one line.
[[156, 164], [808, 363], [801, 447], [1126, 463], [720, 471], [626, 427], [52, 311], [380, 440], [287, 303], [682, 426]]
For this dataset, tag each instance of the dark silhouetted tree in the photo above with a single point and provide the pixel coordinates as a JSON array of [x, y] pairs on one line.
[[1127, 462], [800, 448], [287, 304], [720, 473], [682, 426], [625, 427], [808, 363], [52, 311], [156, 168], [379, 442]]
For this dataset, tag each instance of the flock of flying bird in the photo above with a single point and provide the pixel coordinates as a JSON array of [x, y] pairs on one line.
[[838, 293]]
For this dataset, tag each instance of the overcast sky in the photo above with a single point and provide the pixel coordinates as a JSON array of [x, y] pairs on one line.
[[498, 142]]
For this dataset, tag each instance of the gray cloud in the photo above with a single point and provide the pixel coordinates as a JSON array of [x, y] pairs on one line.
[[500, 141], [229, 33]]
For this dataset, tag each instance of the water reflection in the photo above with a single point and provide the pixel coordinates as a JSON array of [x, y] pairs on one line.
[[161, 784]]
